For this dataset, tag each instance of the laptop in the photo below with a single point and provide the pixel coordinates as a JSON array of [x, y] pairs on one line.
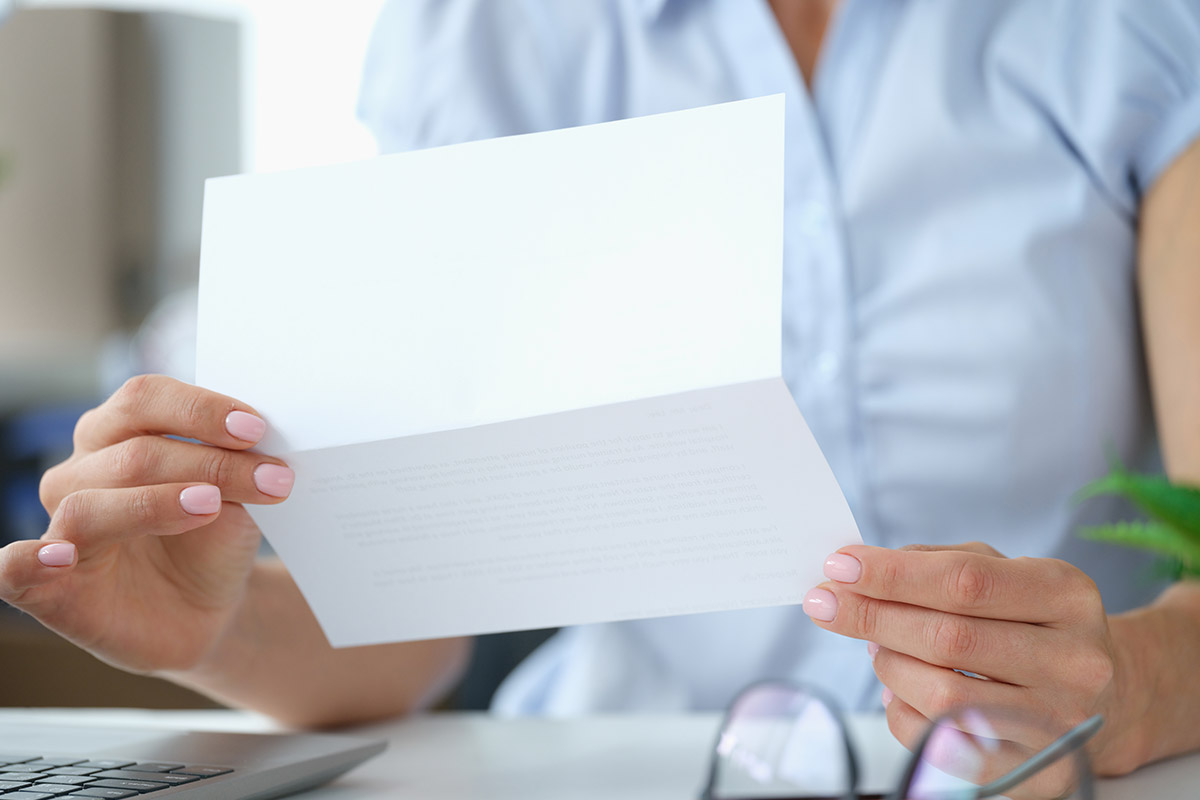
[[53, 761]]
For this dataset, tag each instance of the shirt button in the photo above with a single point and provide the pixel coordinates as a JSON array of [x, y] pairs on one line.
[[827, 366]]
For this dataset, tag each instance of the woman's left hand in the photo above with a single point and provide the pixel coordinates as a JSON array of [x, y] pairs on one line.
[[1035, 628]]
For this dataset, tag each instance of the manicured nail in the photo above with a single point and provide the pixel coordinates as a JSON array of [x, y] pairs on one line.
[[59, 554], [200, 500], [820, 604], [843, 568], [872, 649], [274, 480], [246, 427], [887, 697]]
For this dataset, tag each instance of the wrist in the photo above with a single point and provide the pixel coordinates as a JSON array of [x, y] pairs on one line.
[[1129, 713], [1152, 712], [231, 649]]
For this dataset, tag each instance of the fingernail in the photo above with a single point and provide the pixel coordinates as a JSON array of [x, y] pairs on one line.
[[887, 697], [843, 568], [200, 500], [246, 427], [274, 480], [872, 649], [59, 554], [820, 604]]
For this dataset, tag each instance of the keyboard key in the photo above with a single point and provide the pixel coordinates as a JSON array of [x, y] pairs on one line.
[[22, 795], [92, 792], [203, 772], [8, 758], [57, 762], [64, 780], [8, 786], [153, 766], [137, 786], [72, 771], [25, 768], [49, 788], [17, 776], [160, 777], [105, 763]]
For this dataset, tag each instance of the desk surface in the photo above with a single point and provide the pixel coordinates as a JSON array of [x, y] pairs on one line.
[[458, 756]]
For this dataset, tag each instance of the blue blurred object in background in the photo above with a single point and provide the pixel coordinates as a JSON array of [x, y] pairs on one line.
[[30, 443]]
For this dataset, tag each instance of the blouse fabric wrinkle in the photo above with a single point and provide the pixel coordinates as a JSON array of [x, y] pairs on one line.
[[960, 326]]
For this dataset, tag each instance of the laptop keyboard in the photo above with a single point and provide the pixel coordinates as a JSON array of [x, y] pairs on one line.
[[36, 778]]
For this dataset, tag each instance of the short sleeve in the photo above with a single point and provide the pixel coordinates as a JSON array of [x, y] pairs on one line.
[[446, 71], [1136, 79]]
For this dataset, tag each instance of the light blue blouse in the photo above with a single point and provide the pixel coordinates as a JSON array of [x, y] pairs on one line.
[[960, 323]]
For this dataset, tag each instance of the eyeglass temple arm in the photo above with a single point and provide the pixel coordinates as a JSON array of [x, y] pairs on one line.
[[1069, 741]]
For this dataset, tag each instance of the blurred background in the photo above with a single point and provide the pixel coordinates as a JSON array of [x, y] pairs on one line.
[[112, 115]]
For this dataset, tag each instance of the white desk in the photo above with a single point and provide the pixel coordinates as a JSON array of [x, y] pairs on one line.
[[459, 756]]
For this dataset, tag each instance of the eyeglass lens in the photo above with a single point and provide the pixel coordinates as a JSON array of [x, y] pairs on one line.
[[973, 754], [781, 741]]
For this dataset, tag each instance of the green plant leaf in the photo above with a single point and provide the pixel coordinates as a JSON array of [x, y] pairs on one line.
[[1152, 536], [1175, 505]]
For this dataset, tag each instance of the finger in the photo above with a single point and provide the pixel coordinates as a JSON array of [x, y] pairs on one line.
[[156, 404], [92, 518], [1012, 652], [968, 746], [148, 460], [966, 547], [936, 691], [1039, 590], [31, 563]]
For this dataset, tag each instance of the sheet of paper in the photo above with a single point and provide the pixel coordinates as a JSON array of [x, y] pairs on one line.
[[497, 280], [526, 382]]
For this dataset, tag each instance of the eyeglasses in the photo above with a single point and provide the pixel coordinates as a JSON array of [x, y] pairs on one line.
[[784, 740]]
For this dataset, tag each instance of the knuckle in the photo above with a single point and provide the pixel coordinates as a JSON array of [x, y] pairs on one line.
[[71, 517], [946, 695], [1093, 668], [867, 620], [134, 395], [953, 640], [86, 421], [193, 411], [133, 459], [971, 585], [889, 577], [50, 488], [143, 506], [220, 468]]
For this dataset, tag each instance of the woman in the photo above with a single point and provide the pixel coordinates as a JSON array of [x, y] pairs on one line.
[[974, 192]]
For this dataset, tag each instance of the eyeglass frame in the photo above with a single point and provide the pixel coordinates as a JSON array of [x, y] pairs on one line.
[[1068, 744]]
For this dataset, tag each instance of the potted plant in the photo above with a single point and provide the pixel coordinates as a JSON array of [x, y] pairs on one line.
[[1172, 529]]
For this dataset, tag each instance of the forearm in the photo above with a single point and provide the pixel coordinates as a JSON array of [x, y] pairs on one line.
[[275, 659]]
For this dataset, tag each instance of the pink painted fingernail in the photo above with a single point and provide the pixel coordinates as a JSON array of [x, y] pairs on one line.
[[820, 604], [872, 649], [274, 480], [59, 554], [200, 500], [887, 697], [843, 568], [246, 427]]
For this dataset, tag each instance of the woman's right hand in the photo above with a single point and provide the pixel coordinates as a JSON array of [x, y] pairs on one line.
[[149, 548]]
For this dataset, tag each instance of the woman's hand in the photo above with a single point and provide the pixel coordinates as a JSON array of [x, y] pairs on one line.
[[1034, 630], [149, 548]]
